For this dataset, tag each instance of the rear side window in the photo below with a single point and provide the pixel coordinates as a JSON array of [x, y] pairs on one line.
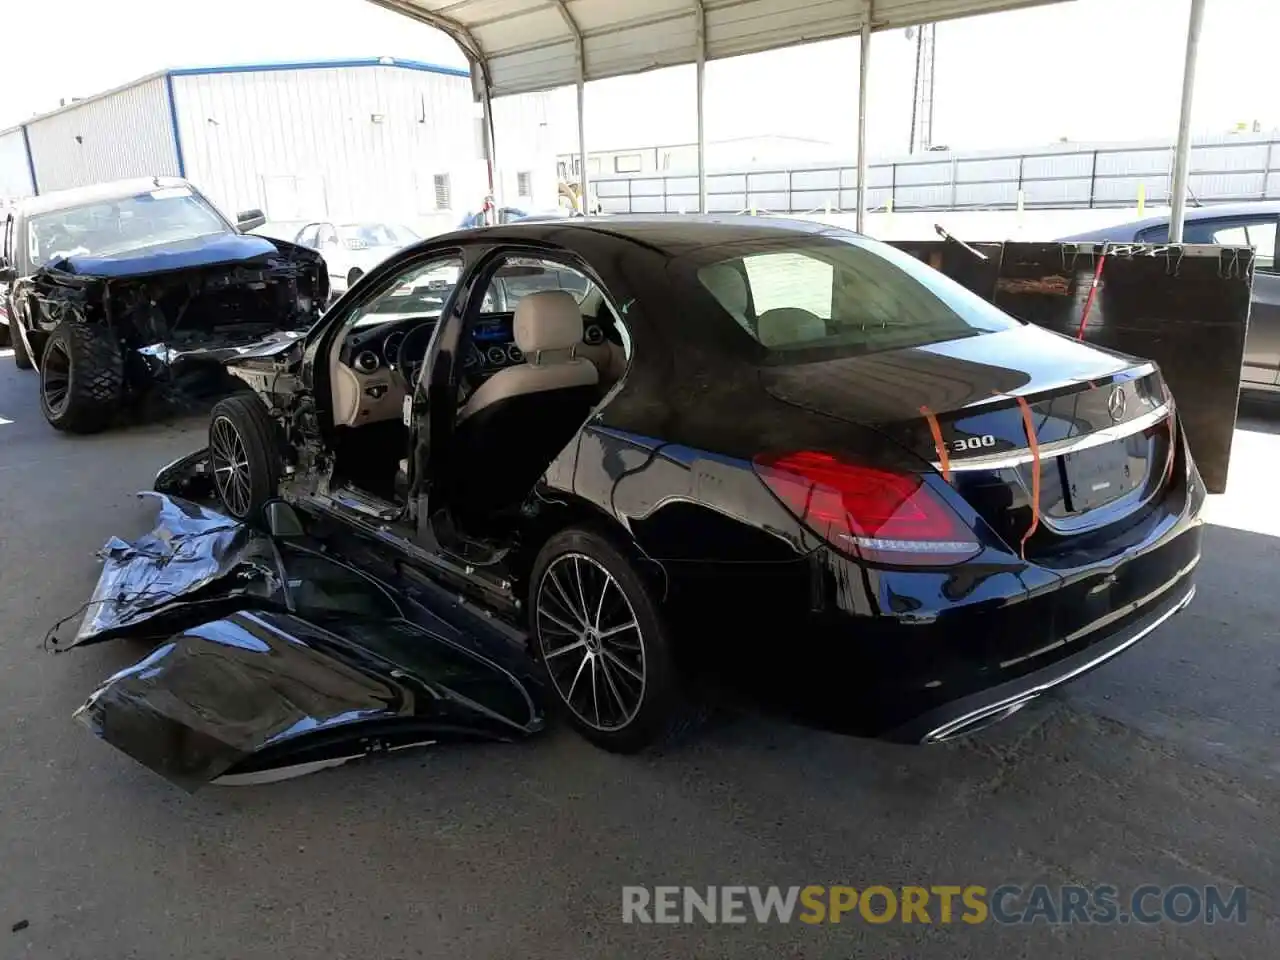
[[820, 300]]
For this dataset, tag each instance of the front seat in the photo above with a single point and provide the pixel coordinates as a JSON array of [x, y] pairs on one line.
[[516, 422], [789, 327]]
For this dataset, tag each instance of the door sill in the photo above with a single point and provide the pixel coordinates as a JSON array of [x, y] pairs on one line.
[[367, 504]]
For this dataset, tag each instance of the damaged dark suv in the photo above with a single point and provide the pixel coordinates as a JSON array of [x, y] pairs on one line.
[[115, 289]]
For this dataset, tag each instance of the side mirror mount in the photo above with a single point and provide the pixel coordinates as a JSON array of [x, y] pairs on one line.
[[282, 520], [247, 220]]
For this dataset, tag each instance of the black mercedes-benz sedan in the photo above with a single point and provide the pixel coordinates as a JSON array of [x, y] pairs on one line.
[[765, 458]]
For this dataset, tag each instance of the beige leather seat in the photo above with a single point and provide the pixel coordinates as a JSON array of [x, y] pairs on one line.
[[789, 326], [548, 331], [609, 359], [519, 419]]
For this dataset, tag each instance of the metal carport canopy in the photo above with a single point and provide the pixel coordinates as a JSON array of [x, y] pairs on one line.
[[527, 45], [521, 46]]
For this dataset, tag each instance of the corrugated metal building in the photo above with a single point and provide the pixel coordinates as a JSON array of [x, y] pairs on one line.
[[356, 139]]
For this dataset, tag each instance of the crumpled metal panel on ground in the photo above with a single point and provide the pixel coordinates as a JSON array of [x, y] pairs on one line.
[[276, 658]]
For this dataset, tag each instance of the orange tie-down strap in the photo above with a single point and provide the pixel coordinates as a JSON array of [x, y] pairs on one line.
[[1029, 427], [1033, 442], [944, 461]]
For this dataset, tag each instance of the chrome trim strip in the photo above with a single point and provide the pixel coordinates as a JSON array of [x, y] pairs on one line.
[[938, 734], [1003, 461], [1133, 605]]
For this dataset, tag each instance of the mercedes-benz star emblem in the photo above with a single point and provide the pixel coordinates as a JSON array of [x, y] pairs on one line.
[[1116, 403]]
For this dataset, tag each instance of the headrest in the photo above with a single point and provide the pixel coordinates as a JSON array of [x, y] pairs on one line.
[[728, 286], [547, 320], [787, 326]]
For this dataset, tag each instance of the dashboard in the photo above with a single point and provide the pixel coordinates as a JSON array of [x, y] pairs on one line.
[[493, 347], [368, 384], [376, 348]]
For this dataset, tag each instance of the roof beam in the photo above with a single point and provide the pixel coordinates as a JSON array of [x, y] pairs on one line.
[[522, 46], [461, 35]]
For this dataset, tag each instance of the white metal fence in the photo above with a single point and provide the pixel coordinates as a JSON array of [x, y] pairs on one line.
[[1233, 168]]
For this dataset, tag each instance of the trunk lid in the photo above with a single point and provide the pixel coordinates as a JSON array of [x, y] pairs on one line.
[[1103, 422]]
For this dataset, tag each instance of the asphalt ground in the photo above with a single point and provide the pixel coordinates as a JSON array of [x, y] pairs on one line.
[[1161, 768]]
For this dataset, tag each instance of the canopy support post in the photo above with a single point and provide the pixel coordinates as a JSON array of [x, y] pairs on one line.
[[1182, 154], [702, 114], [864, 60], [580, 47], [491, 147]]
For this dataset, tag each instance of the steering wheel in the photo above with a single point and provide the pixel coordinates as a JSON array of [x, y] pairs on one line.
[[413, 349]]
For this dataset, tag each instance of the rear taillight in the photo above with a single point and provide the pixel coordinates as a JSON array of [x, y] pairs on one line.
[[875, 514]]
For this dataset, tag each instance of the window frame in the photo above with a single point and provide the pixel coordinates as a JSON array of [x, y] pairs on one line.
[[620, 157], [314, 243], [1201, 231], [360, 311], [442, 191]]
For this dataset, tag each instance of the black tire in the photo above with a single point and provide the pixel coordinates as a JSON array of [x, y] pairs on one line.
[[21, 359], [240, 427], [6, 335], [81, 378], [661, 711]]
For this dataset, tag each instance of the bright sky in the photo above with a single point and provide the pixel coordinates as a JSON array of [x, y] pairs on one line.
[[1088, 70]]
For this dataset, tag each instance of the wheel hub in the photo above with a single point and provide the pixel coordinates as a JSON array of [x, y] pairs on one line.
[[230, 463], [591, 642]]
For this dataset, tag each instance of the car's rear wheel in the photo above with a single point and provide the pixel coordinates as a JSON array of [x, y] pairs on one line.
[[244, 454], [21, 359], [5, 336], [603, 645], [81, 378]]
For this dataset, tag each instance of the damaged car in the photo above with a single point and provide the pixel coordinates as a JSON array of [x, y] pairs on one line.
[[272, 658], [685, 457], [119, 289]]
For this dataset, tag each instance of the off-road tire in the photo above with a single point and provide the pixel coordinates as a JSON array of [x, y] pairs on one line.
[[260, 436], [94, 371], [665, 713], [21, 359]]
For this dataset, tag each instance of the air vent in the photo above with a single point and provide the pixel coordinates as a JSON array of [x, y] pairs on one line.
[[367, 361]]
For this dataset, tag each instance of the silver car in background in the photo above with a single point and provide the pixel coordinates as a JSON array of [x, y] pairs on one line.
[[350, 250]]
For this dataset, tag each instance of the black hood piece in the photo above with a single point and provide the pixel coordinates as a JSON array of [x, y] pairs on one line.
[[276, 659]]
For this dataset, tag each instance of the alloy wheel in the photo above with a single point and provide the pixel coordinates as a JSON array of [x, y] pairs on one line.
[[230, 466], [55, 377], [590, 642]]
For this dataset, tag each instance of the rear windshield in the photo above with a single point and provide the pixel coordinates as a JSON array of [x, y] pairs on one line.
[[815, 299]]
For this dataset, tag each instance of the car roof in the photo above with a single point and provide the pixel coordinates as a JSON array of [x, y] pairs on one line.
[[1214, 211], [99, 192], [673, 235]]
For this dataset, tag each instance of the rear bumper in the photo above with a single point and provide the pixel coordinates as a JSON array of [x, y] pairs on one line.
[[972, 713]]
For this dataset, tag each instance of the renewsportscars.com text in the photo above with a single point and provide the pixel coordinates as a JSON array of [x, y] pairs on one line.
[[972, 904]]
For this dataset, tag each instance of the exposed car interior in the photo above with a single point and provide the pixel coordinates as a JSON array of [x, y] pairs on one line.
[[542, 351]]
